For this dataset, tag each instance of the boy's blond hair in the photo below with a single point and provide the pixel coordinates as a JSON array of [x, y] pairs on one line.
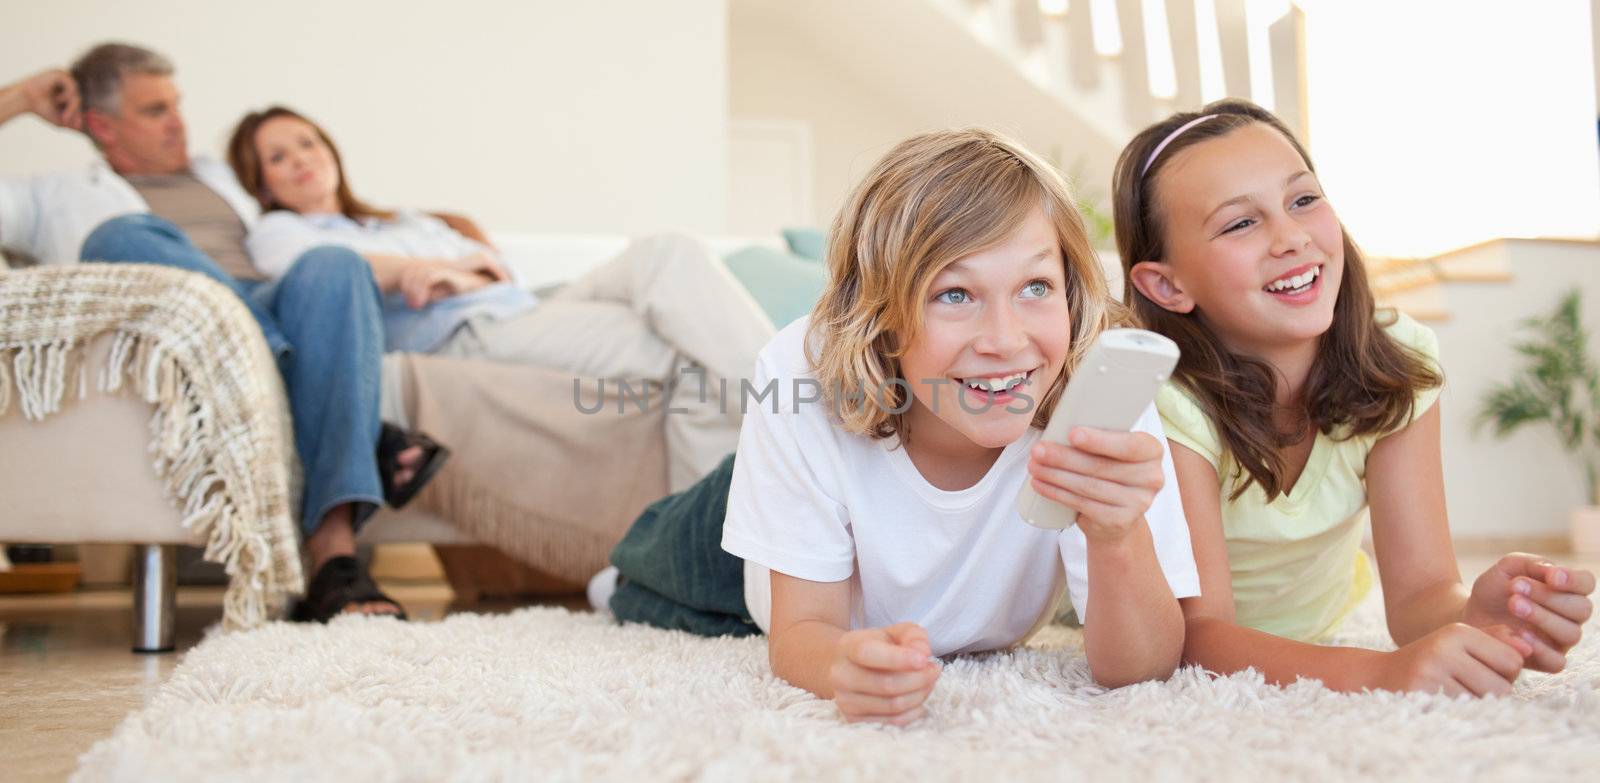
[[932, 200]]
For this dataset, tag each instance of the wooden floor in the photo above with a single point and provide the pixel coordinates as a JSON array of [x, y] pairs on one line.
[[67, 677]]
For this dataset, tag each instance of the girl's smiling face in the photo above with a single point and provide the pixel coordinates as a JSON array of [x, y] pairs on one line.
[[995, 335], [1251, 244]]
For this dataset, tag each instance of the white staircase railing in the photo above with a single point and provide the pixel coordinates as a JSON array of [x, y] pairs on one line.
[[1054, 43], [1248, 48]]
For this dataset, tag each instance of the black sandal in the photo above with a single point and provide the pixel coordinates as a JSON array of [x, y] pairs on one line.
[[339, 583], [391, 441]]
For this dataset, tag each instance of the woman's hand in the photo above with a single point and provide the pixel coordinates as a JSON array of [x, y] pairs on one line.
[[1543, 603], [425, 282], [1455, 660], [883, 675], [487, 265], [1109, 478]]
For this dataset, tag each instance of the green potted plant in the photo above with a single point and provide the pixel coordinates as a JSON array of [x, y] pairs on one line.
[[1091, 205], [1558, 384]]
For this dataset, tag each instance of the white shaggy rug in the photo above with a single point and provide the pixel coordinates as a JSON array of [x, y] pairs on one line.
[[547, 694]]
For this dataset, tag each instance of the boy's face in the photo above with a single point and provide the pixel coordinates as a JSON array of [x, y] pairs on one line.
[[996, 333]]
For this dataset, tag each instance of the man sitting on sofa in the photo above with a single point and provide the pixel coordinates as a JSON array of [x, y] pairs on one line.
[[148, 201]]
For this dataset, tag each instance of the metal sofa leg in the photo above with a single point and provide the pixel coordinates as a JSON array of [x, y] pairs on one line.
[[155, 597]]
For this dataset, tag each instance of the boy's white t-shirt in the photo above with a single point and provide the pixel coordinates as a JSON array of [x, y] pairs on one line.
[[817, 503]]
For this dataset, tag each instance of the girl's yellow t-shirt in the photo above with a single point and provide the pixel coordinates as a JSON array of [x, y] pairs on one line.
[[1296, 562]]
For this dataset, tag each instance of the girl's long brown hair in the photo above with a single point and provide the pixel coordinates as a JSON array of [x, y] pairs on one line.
[[246, 163], [1362, 381]]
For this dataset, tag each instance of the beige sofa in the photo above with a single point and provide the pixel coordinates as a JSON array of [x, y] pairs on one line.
[[84, 476], [537, 485]]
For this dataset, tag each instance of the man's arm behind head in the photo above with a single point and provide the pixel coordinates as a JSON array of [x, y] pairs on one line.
[[51, 94]]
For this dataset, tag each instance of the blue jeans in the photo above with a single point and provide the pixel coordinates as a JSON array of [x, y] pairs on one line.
[[322, 321]]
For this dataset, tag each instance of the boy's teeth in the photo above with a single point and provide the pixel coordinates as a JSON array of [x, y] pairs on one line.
[[1298, 281], [997, 384]]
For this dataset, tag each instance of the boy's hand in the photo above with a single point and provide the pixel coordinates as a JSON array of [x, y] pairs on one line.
[[1544, 604], [1109, 478], [883, 674], [1454, 660]]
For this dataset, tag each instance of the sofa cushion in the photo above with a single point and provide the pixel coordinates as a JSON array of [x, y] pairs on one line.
[[785, 285], [805, 242]]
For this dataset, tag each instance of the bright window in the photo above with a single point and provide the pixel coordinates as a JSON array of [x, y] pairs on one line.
[[1439, 124]]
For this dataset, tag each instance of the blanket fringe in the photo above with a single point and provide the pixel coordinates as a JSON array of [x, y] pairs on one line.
[[184, 441], [200, 465]]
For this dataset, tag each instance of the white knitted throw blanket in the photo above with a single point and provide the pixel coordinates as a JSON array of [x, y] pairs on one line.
[[221, 434]]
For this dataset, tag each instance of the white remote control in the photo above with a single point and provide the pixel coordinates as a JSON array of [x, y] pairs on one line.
[[1110, 390]]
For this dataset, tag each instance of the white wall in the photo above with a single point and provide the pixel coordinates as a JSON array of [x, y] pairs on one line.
[[772, 75], [864, 76], [546, 115], [770, 175], [1524, 485]]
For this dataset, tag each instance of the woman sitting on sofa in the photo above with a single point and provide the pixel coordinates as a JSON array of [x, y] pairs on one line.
[[663, 302]]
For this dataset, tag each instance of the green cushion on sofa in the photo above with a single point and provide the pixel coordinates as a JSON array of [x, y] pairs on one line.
[[785, 285], [807, 243]]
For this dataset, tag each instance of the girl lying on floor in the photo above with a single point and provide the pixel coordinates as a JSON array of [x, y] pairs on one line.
[[869, 521], [1294, 405]]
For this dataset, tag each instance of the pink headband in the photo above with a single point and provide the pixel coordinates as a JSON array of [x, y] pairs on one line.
[[1168, 140]]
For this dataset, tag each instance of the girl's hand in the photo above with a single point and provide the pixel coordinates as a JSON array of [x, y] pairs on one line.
[[883, 675], [1454, 660], [1109, 478], [1544, 604]]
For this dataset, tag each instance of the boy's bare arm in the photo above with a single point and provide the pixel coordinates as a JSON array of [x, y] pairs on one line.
[[807, 620], [872, 674], [1134, 628]]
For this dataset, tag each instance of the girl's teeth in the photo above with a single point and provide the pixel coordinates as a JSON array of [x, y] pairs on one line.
[[1298, 281]]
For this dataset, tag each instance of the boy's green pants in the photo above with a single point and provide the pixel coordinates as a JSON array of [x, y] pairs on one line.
[[674, 572]]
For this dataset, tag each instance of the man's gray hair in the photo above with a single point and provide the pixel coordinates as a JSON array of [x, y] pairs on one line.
[[100, 70]]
